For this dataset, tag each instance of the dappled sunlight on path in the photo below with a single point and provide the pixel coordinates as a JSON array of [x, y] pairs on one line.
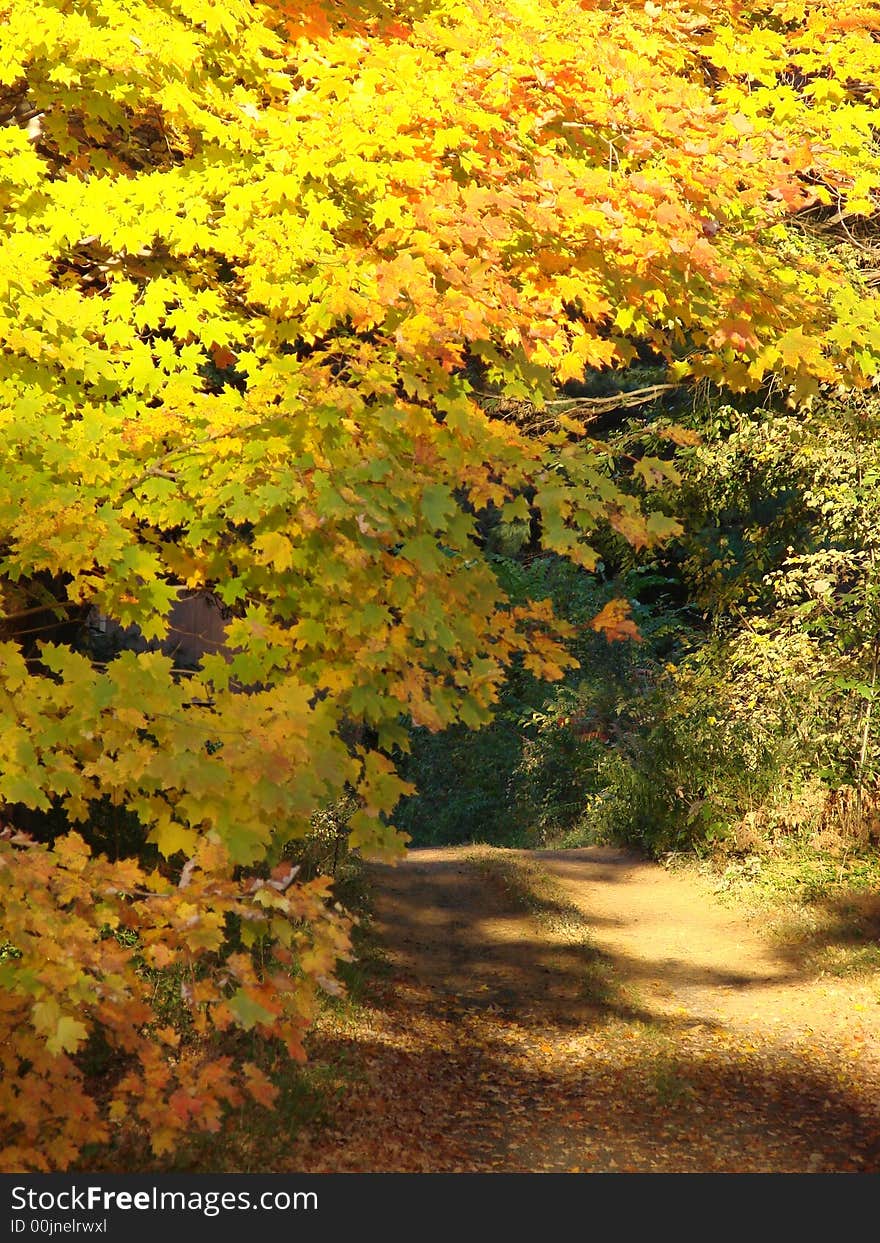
[[634, 1024], [668, 933]]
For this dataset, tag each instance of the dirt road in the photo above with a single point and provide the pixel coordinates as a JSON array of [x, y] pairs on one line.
[[585, 1010]]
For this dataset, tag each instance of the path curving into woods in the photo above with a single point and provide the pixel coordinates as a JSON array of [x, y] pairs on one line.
[[585, 1010]]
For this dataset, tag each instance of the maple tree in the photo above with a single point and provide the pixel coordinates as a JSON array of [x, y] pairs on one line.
[[251, 257]]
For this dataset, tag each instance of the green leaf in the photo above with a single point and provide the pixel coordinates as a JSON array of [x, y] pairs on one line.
[[437, 505], [247, 1011], [23, 788]]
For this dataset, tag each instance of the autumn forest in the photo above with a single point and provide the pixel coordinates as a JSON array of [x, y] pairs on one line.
[[439, 585]]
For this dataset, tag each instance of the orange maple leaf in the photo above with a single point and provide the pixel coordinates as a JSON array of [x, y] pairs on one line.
[[615, 622]]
